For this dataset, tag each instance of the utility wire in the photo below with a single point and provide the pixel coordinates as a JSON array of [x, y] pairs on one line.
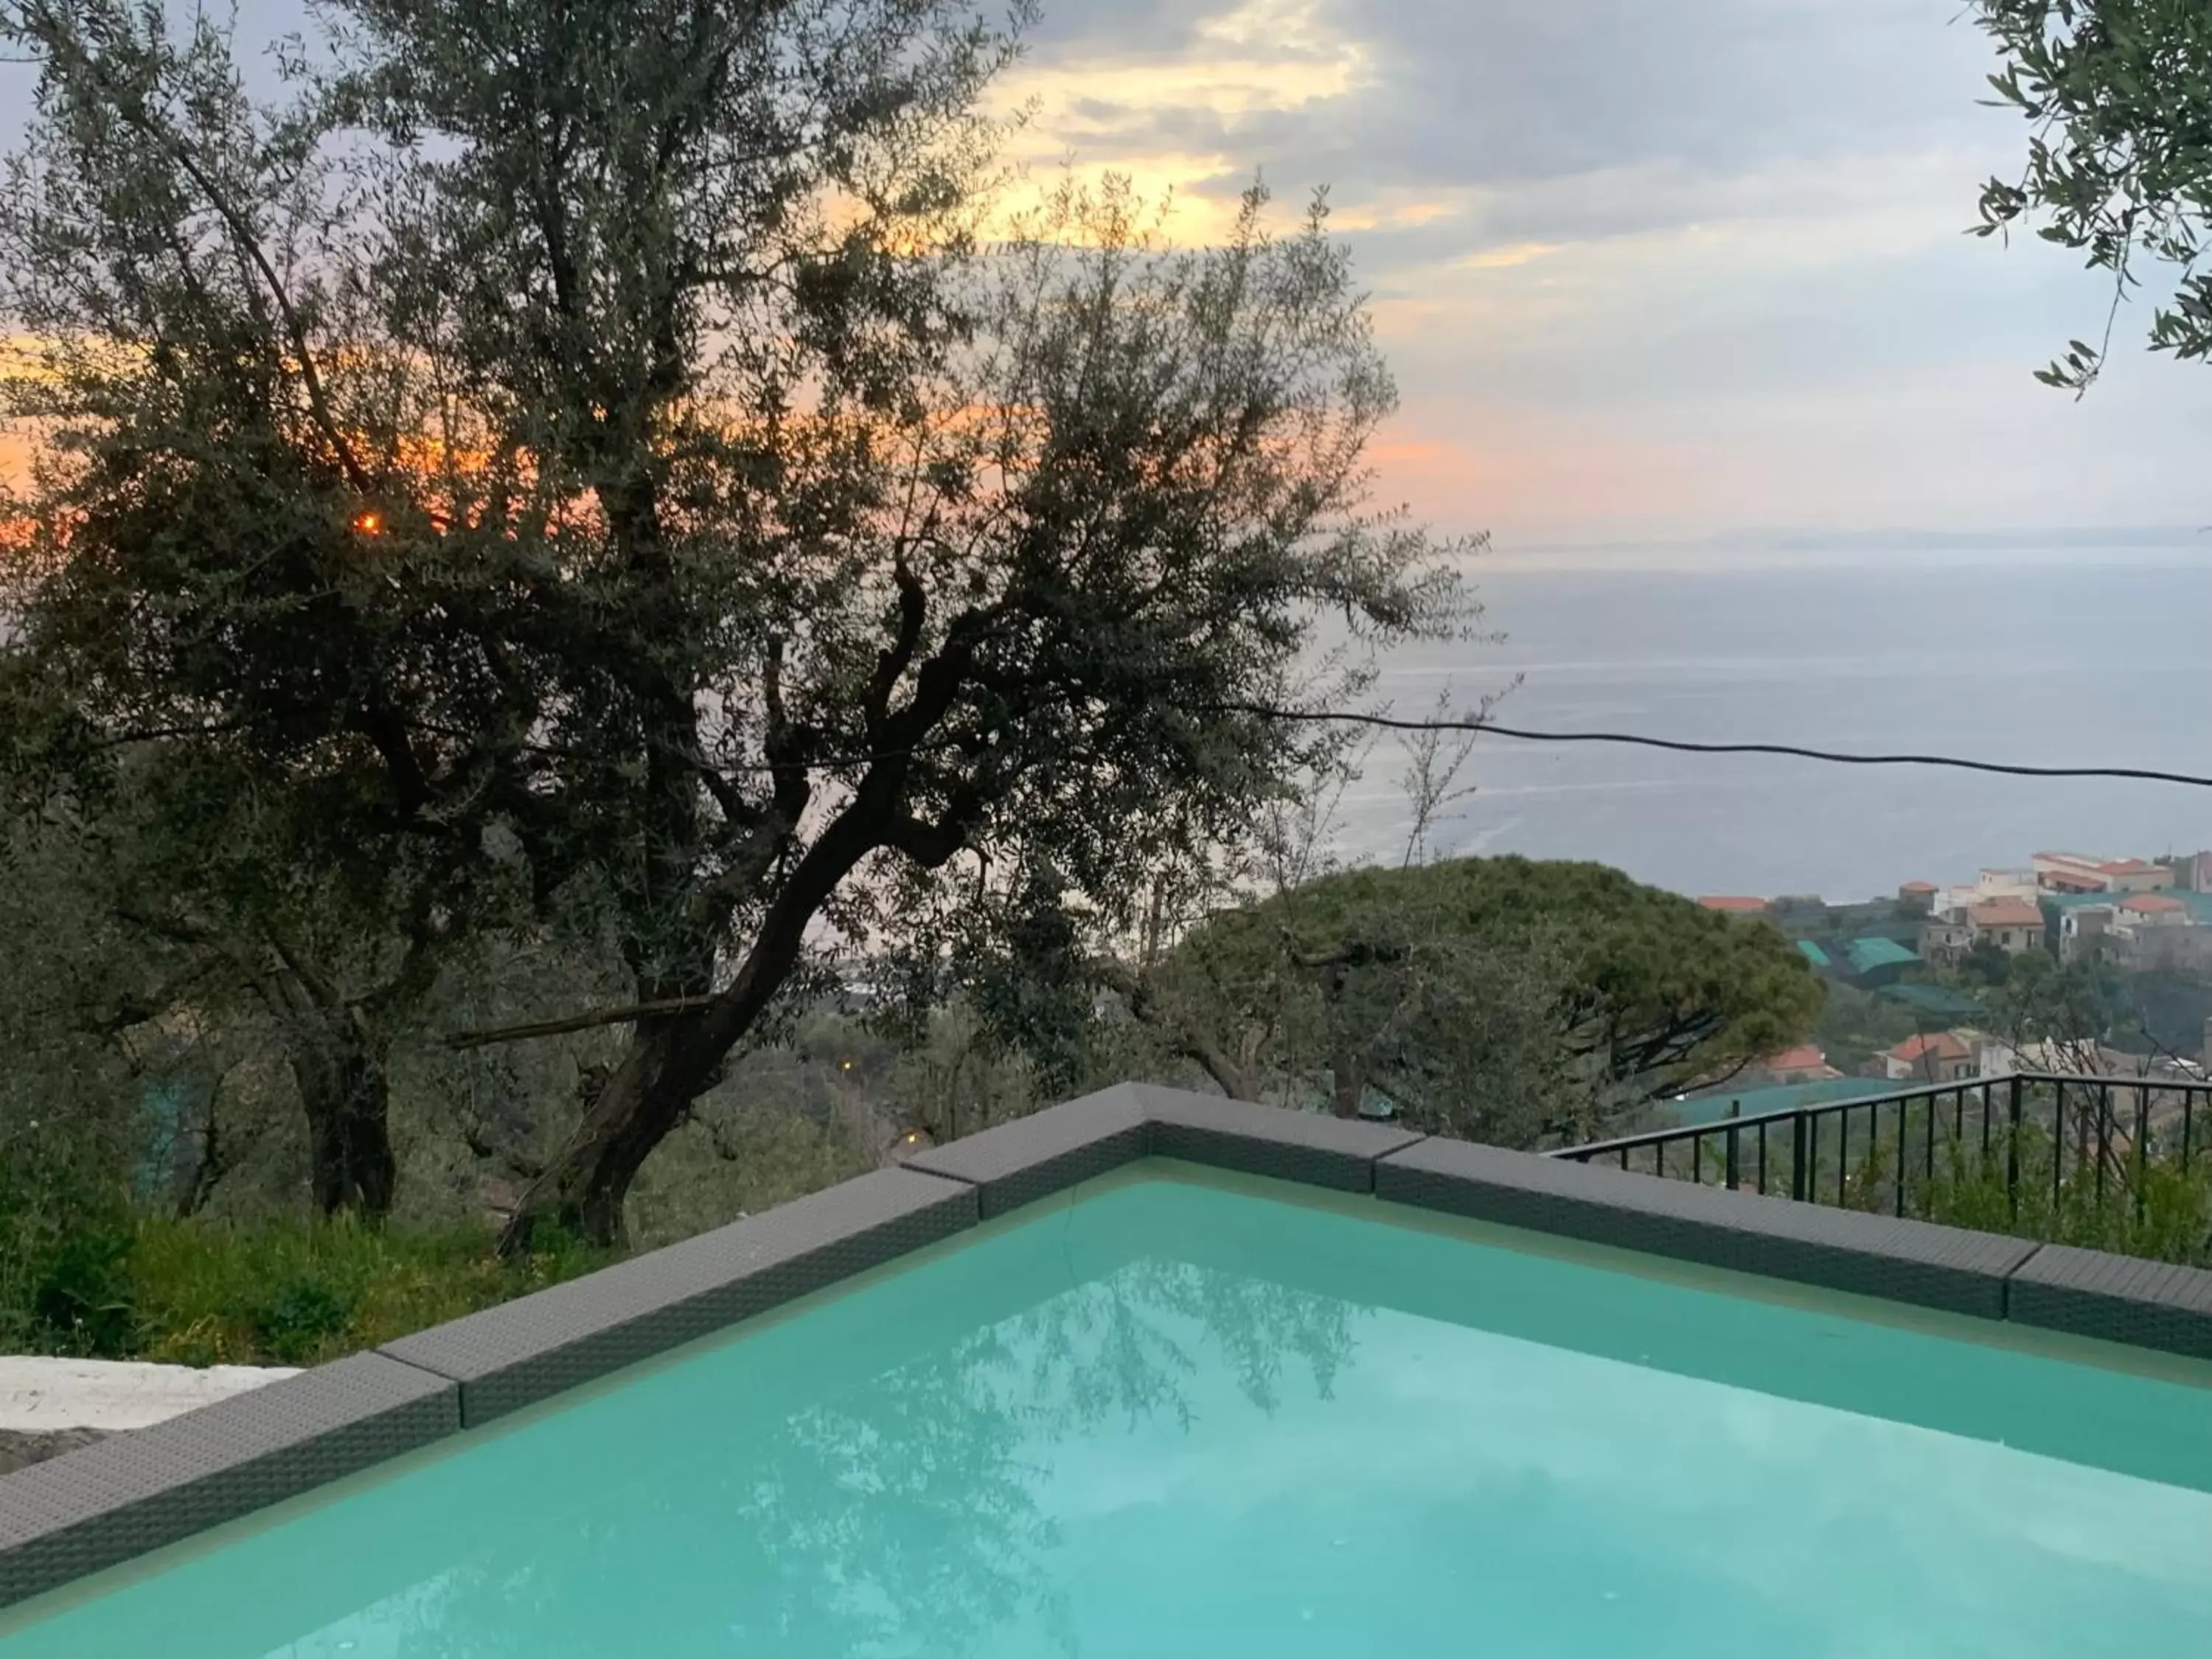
[[1354, 717], [1682, 746]]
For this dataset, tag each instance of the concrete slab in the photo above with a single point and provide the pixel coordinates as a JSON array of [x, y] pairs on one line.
[[50, 1396]]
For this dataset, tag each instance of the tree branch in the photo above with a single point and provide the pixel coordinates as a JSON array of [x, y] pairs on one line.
[[132, 1010], [131, 105], [931, 844], [178, 929], [583, 1022], [380, 724], [890, 664]]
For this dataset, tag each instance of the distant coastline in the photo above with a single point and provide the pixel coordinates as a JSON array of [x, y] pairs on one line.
[[1783, 539]]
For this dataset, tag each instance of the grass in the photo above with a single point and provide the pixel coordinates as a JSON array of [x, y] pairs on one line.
[[87, 1271], [203, 1292], [211, 1293], [84, 1272]]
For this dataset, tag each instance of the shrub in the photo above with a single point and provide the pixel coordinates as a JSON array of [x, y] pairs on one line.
[[65, 1237]]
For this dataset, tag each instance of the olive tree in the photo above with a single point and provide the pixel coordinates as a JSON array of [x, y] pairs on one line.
[[630, 448], [2119, 95], [202, 670]]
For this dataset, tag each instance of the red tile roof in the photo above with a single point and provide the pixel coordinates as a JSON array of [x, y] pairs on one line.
[[1802, 1058], [2005, 912], [1939, 1045], [1918, 887], [2151, 904], [2126, 867], [1723, 902]]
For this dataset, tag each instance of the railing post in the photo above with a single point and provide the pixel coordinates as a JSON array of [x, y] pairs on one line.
[[1797, 1125], [1735, 1154], [2142, 1144], [2059, 1147], [2012, 1146]]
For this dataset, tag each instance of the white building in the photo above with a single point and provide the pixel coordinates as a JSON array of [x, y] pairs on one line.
[[1990, 884], [2071, 872], [2080, 927], [2156, 930]]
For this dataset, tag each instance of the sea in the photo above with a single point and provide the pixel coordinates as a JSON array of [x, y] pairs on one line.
[[2077, 649]]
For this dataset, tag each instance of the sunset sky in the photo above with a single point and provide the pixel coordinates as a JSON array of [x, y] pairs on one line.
[[1659, 269], [1645, 269]]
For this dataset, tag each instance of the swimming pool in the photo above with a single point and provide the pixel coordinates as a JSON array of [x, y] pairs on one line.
[[1176, 1414]]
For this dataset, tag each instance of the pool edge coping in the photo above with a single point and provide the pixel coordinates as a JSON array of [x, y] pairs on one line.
[[104, 1504]]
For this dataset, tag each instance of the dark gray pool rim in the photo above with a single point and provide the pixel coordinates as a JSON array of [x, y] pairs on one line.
[[123, 1496]]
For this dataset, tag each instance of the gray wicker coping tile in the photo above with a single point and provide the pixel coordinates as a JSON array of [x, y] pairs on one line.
[[2147, 1305], [122, 1497], [1268, 1141], [513, 1355], [1032, 1158], [1905, 1260]]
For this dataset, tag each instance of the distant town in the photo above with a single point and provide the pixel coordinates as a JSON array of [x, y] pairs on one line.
[[1928, 987]]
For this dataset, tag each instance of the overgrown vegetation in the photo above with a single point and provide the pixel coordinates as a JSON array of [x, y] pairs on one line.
[[2092, 1186], [2159, 1212], [91, 1264], [272, 1292]]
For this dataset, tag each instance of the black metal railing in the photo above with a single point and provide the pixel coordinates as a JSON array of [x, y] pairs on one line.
[[2044, 1152]]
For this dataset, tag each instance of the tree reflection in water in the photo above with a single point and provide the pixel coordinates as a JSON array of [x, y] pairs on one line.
[[899, 1516]]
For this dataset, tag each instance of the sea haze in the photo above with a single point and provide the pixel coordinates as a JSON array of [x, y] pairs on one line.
[[2053, 652]]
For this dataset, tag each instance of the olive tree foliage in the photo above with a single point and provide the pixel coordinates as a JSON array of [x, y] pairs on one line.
[[204, 676], [137, 1077], [2119, 95], [593, 447], [193, 952], [66, 1128], [1505, 1000]]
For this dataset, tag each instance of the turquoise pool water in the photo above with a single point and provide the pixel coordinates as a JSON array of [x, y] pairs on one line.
[[1177, 1419]]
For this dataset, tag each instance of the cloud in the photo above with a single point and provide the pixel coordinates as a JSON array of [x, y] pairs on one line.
[[1682, 265], [1503, 259], [1504, 92], [1162, 104]]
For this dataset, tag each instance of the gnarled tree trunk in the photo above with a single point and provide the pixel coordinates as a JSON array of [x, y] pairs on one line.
[[338, 1066], [670, 1062], [675, 1058], [337, 1053]]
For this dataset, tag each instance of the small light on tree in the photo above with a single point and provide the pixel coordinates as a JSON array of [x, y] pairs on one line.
[[370, 523]]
